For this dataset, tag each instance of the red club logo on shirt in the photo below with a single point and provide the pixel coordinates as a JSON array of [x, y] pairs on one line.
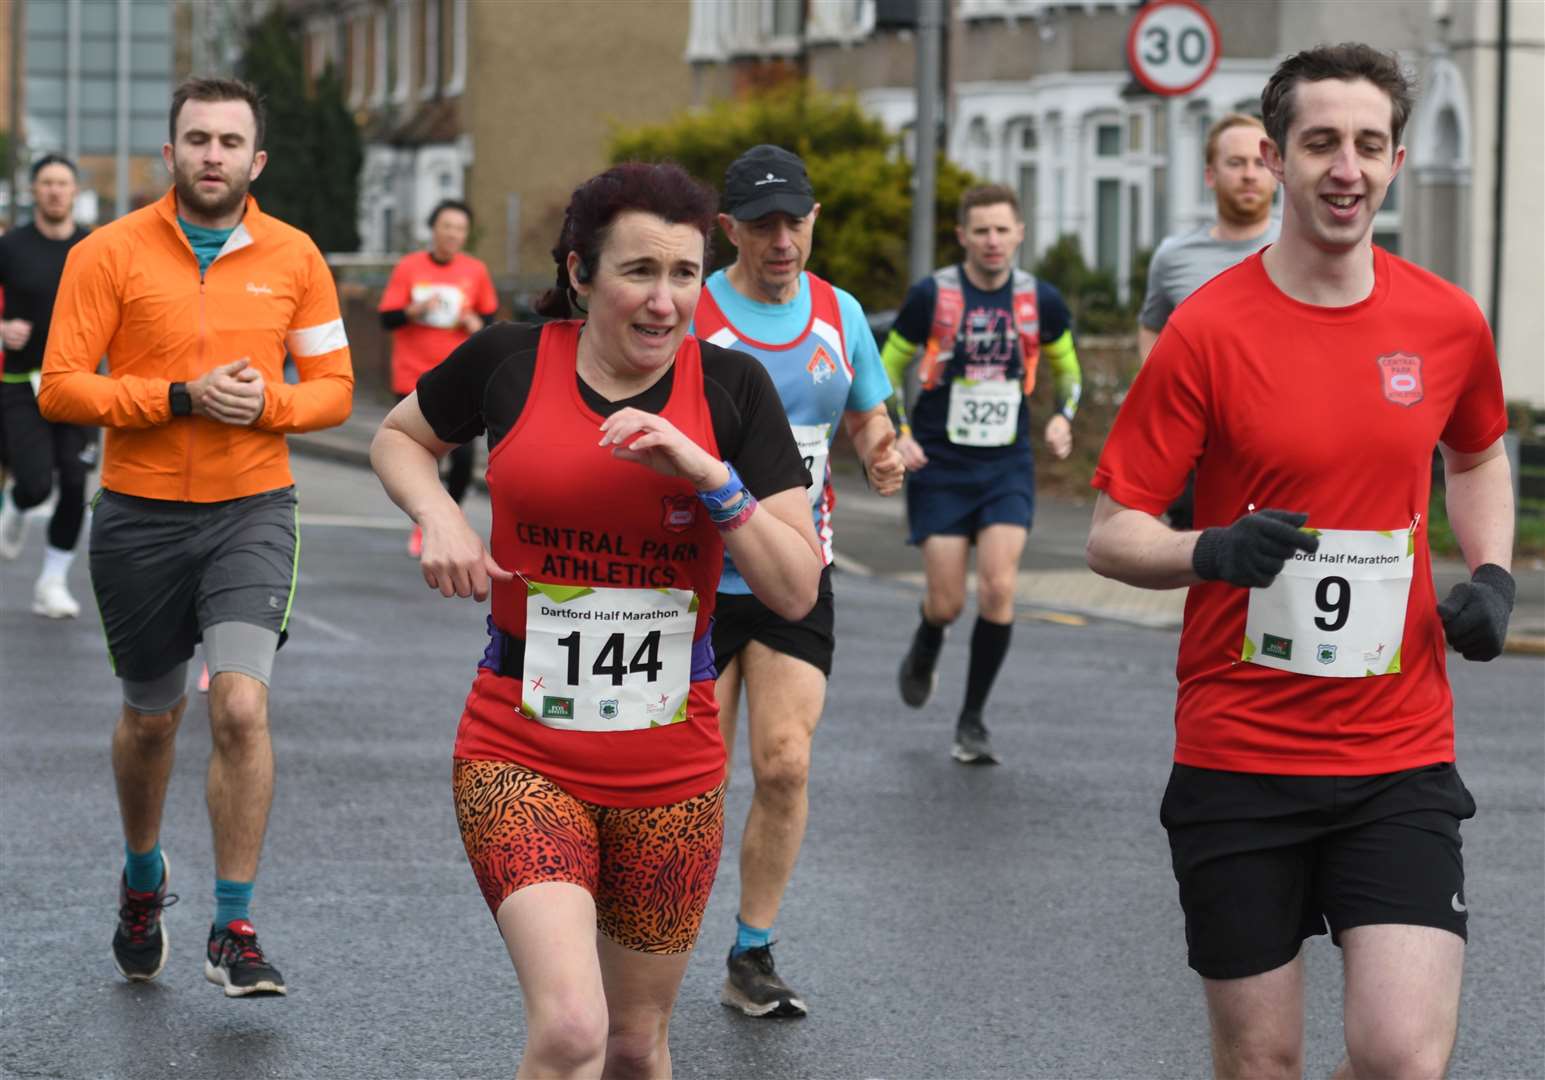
[[1402, 373], [680, 512], [820, 367]]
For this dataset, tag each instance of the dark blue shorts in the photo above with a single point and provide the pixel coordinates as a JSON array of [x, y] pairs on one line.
[[943, 501]]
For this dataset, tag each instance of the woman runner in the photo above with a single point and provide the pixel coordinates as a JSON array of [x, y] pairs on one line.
[[624, 458]]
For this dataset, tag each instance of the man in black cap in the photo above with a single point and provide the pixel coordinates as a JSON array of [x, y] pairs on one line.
[[814, 340]]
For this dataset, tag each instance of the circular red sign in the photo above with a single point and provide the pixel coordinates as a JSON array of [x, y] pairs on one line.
[[1173, 46]]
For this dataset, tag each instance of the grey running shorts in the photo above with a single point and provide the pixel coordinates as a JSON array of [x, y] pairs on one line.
[[165, 572]]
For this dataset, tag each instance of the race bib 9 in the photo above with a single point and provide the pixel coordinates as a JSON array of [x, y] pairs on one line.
[[984, 413], [607, 659], [1339, 613]]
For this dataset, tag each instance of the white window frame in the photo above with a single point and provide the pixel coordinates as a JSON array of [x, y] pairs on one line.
[[402, 12], [841, 22], [706, 32], [966, 10], [429, 80], [359, 41], [457, 83], [378, 17], [321, 40], [1016, 159]]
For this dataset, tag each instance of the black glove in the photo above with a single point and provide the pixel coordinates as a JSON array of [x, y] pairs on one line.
[[1252, 551], [1476, 611]]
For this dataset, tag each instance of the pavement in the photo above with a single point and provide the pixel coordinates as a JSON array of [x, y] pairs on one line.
[[1055, 585]]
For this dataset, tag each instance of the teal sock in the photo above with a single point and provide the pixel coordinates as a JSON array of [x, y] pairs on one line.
[[749, 937], [233, 899], [144, 870]]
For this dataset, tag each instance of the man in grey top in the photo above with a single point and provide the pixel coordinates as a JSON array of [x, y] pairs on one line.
[[1243, 187]]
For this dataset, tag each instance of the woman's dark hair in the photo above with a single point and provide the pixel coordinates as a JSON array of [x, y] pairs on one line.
[[449, 204], [665, 190]]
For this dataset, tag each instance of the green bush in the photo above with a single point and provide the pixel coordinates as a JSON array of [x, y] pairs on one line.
[[314, 147], [862, 180], [1091, 293]]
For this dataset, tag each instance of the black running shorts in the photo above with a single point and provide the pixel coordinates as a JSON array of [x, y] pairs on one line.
[[739, 618], [164, 572], [1265, 862]]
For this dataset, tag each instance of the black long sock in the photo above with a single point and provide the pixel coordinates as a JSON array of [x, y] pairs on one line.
[[927, 642], [989, 645]]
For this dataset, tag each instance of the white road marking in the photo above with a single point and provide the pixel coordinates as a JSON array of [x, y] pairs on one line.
[[354, 521], [326, 627]]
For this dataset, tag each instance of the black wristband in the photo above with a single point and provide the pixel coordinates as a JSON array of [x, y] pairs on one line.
[[1204, 557], [179, 399], [1494, 577]]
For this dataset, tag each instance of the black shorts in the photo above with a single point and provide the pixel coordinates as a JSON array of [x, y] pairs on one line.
[[164, 572], [738, 619], [1265, 862]]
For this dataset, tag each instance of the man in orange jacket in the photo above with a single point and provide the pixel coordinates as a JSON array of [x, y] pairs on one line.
[[195, 300]]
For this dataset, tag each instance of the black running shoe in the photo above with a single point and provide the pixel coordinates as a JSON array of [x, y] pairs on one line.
[[919, 675], [754, 988], [235, 961], [139, 943], [972, 746]]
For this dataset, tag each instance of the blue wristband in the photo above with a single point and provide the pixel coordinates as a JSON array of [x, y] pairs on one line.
[[721, 498]]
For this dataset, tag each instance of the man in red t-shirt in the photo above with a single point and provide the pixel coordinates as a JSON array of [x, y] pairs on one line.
[[434, 301], [1314, 777]]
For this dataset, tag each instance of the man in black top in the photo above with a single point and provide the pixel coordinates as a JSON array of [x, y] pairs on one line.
[[31, 263]]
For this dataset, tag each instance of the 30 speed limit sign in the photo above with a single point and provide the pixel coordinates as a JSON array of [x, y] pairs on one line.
[[1173, 46]]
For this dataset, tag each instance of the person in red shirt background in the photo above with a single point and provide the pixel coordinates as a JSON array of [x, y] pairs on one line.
[[435, 300]]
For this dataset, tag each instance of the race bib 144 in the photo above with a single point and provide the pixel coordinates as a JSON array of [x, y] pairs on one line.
[[607, 659]]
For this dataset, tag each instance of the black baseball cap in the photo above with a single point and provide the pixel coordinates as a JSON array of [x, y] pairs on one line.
[[767, 180]]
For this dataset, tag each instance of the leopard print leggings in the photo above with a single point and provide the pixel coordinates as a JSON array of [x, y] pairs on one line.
[[650, 869]]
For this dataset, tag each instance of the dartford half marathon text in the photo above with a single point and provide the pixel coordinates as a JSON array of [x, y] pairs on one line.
[[608, 616], [651, 566], [1343, 558]]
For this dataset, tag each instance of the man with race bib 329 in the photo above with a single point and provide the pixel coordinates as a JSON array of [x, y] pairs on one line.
[[1314, 780], [983, 327]]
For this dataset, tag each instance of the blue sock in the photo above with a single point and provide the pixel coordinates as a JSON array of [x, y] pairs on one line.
[[749, 937], [144, 869], [232, 901]]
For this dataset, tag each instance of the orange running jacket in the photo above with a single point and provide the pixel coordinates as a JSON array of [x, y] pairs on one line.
[[132, 290]]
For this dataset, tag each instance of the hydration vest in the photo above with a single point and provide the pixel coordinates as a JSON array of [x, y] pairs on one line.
[[948, 312]]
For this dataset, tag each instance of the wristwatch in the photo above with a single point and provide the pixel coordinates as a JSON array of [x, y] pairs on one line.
[[181, 400], [721, 499]]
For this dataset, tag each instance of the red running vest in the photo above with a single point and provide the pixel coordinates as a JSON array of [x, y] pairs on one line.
[[565, 511]]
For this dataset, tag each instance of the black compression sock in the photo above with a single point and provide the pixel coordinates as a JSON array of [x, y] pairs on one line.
[[989, 645], [929, 638]]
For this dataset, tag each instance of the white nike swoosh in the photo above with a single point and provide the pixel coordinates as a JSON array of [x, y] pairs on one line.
[[1457, 904]]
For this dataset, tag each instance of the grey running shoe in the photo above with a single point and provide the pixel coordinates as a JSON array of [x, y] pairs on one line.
[[139, 942], [972, 746], [235, 961], [13, 527], [754, 988], [919, 676]]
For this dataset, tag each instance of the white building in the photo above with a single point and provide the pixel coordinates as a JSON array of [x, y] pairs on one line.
[[1040, 98]]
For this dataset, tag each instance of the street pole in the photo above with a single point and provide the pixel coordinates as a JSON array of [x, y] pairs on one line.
[[13, 142], [121, 153], [929, 26]]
